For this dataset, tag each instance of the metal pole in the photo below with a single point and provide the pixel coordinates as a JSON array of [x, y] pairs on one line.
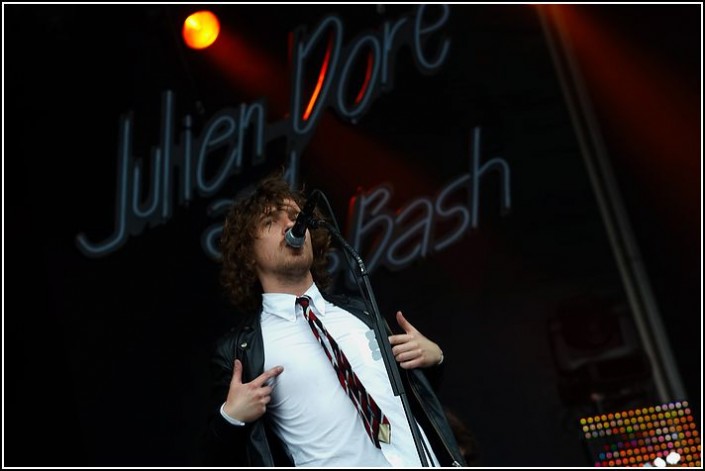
[[629, 260]]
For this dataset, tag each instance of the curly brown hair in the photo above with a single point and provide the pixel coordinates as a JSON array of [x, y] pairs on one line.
[[238, 274]]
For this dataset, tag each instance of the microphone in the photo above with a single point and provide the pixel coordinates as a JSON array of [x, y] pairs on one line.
[[296, 234]]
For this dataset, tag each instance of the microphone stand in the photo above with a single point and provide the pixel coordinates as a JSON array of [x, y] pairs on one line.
[[380, 333]]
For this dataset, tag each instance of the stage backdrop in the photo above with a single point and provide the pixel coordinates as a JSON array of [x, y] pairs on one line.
[[443, 142]]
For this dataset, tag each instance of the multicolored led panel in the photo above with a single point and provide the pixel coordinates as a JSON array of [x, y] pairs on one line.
[[663, 435]]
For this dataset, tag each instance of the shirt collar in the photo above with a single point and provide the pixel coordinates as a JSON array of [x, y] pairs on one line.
[[284, 305]]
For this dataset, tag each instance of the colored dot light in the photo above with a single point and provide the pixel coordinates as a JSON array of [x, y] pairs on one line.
[[650, 436]]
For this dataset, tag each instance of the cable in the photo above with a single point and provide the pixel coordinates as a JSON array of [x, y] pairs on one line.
[[348, 260]]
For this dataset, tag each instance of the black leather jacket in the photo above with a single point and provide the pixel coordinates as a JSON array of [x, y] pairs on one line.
[[255, 445]]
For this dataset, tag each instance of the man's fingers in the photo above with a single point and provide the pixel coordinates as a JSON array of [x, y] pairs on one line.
[[405, 347], [404, 324], [398, 339], [408, 365], [237, 373], [408, 354], [270, 373]]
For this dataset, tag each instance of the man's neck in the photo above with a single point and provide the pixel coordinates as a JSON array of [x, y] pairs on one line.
[[287, 286]]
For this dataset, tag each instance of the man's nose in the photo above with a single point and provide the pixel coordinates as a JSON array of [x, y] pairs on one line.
[[287, 222]]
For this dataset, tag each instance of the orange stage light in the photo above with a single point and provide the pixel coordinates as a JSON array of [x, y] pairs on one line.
[[200, 29]]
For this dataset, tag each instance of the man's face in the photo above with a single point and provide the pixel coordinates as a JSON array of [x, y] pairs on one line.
[[274, 258]]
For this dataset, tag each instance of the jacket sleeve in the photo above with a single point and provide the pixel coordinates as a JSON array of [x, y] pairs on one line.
[[225, 443]]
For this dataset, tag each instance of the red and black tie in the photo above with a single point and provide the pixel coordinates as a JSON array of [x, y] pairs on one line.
[[376, 424]]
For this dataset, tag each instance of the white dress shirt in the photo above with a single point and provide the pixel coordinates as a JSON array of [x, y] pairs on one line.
[[310, 410]]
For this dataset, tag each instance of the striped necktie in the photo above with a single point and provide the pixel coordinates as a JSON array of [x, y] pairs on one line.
[[376, 424]]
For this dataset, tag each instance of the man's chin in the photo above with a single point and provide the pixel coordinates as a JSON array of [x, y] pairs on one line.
[[296, 272], [300, 260]]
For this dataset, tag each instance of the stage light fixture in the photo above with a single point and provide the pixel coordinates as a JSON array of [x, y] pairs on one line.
[[200, 29], [651, 437]]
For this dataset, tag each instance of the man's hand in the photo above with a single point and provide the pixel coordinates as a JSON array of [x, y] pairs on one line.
[[248, 402], [412, 349]]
